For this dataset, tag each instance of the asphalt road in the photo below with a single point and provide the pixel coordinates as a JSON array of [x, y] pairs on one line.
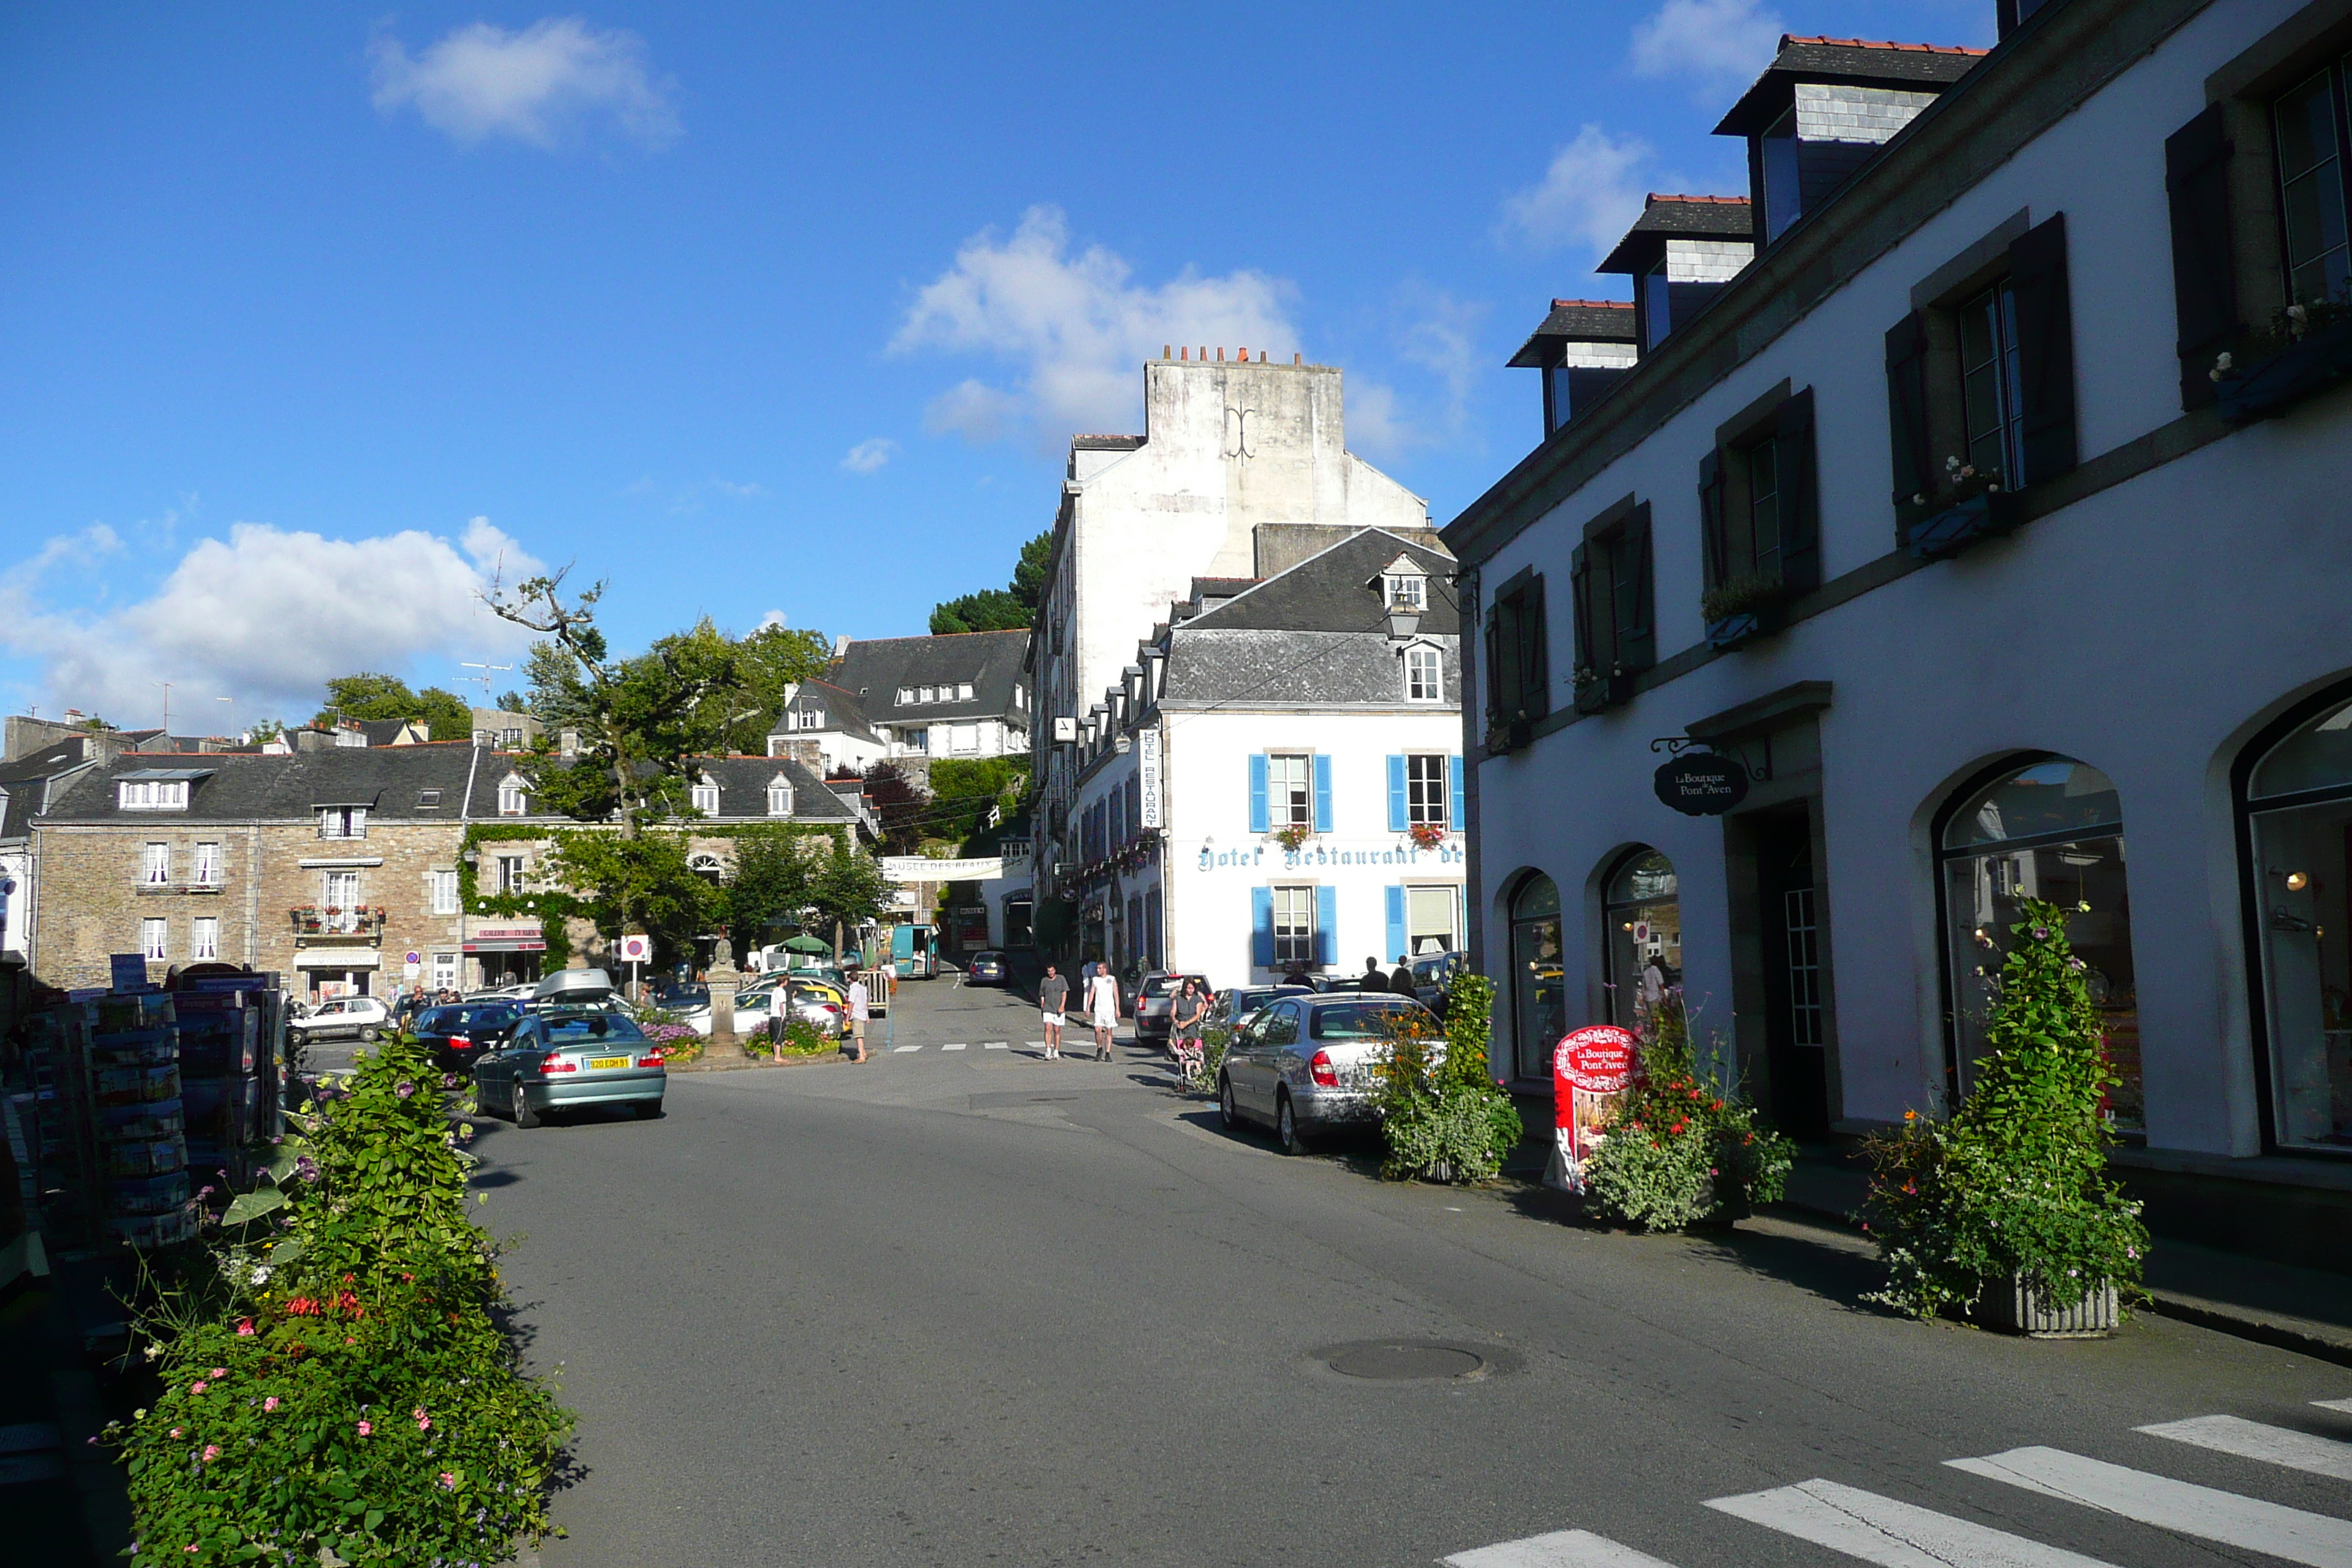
[[968, 1306]]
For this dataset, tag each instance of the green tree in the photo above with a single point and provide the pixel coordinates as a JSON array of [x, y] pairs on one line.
[[900, 806], [558, 697], [965, 789], [1008, 608], [774, 872], [643, 883], [847, 890], [375, 697], [770, 659]]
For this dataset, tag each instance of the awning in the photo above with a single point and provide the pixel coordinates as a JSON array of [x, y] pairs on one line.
[[509, 944], [338, 958]]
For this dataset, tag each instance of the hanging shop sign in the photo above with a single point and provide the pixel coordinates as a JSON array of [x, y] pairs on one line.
[[1701, 784], [1592, 1068], [1147, 775], [922, 869]]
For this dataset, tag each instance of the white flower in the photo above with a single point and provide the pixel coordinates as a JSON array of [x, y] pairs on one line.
[[261, 1274]]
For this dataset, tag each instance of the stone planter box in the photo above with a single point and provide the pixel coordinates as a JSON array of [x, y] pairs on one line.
[[2012, 1306]]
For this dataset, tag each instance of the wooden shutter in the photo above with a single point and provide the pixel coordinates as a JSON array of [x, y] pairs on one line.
[[1637, 634], [1535, 676], [1457, 817], [1258, 818], [2204, 270], [2045, 348], [1908, 432], [1588, 651], [1800, 521], [1399, 815], [1500, 656], [1392, 907], [1710, 518], [1262, 927], [1327, 926], [1321, 769]]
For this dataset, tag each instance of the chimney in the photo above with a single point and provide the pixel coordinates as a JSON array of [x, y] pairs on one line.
[[841, 644], [310, 738], [567, 742]]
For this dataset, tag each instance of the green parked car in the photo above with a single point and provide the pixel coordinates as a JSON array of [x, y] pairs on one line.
[[566, 1060]]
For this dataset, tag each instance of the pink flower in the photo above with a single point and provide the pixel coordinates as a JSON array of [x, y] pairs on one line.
[[175, 1431], [367, 1430], [220, 1372], [245, 1328], [212, 1452], [198, 1386], [270, 1403], [448, 1480]]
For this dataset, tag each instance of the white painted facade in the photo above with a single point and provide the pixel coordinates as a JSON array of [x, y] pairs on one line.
[[2152, 630]]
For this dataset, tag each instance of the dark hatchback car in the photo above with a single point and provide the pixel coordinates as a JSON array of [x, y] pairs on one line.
[[459, 1037], [986, 969]]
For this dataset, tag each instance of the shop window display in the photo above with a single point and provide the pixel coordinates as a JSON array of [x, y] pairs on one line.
[[1539, 1002], [2052, 830], [2299, 806], [1642, 913]]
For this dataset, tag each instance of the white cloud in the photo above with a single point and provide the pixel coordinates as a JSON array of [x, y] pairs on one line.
[[547, 85], [1590, 196], [772, 619], [1076, 326], [750, 489], [264, 617], [1721, 45], [869, 454]]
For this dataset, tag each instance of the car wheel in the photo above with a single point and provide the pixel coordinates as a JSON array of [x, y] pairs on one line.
[[367, 1034], [1229, 1114], [524, 1115], [1286, 1128], [649, 1111]]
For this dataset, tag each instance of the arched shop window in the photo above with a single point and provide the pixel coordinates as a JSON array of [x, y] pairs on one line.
[[2298, 802], [2052, 829], [1642, 917], [1539, 1002]]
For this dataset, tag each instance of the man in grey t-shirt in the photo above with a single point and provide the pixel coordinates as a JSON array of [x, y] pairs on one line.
[[1053, 995]]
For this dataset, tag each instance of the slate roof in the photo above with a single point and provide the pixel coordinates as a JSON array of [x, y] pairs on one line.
[[839, 708], [1326, 592], [1690, 217], [873, 671], [250, 787], [1578, 321], [744, 790], [26, 782], [1863, 62]]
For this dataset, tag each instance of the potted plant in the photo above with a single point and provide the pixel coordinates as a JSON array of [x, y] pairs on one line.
[[1598, 691], [1510, 734], [2307, 350], [2005, 1213], [1681, 1149], [1426, 835], [1742, 609], [1291, 835], [1443, 1117], [1971, 505]]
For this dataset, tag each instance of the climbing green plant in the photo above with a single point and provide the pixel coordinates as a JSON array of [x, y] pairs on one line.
[[1439, 1112]]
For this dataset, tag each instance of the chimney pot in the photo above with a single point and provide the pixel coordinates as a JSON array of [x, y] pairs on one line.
[[1296, 360], [1163, 351], [1185, 353], [1245, 354], [1204, 354], [1221, 356]]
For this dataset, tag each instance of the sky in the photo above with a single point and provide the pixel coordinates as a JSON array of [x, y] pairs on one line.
[[319, 321]]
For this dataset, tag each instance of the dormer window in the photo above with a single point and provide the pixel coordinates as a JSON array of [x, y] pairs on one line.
[[780, 796], [428, 799], [512, 795], [706, 798], [1776, 166], [152, 794], [1405, 590], [1424, 674], [906, 696], [963, 692], [343, 822]]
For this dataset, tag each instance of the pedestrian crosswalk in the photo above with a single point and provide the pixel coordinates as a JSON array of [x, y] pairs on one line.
[[1891, 1533], [965, 1045]]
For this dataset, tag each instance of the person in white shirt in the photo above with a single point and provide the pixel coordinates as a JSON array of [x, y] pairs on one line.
[[857, 1013], [1102, 1003]]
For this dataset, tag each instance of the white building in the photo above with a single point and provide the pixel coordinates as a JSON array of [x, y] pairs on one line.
[[1277, 786], [1947, 698], [1242, 471], [911, 699]]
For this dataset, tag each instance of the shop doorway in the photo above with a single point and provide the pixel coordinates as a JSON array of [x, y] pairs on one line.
[[1796, 1004]]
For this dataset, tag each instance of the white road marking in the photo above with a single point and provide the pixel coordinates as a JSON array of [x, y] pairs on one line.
[[1560, 1549], [2343, 1404], [1890, 1533], [995, 1046], [902, 1051], [2246, 1522], [957, 1046], [1034, 1044], [2253, 1440]]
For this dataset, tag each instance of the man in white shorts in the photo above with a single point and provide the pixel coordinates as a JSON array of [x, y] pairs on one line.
[[1053, 995], [1102, 1006]]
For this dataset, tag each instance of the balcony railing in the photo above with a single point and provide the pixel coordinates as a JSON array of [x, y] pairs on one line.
[[364, 921]]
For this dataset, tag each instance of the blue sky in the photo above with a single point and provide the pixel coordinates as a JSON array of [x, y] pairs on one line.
[[318, 317]]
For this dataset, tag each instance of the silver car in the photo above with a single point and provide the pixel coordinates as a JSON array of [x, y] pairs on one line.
[[1303, 1064], [566, 1061]]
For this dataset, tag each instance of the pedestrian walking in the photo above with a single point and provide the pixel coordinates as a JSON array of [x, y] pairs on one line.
[[858, 999], [1187, 1017], [1102, 1003], [1053, 997], [1375, 977]]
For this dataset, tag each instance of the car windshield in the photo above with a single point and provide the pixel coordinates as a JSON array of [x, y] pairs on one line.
[[587, 1028], [1359, 1020], [448, 1020]]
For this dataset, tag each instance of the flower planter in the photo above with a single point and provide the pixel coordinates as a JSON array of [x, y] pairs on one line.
[[1965, 523], [2269, 387], [1743, 626], [1601, 692], [1439, 1171], [1510, 737], [2014, 1306]]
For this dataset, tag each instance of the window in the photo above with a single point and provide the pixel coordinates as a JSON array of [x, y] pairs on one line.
[[203, 937], [780, 799], [905, 695], [2050, 830], [444, 893], [963, 692], [208, 865], [1658, 314], [1427, 790], [1538, 997], [963, 739], [2313, 198], [807, 719], [512, 801], [1290, 800], [930, 694], [151, 939], [1783, 194], [2297, 795], [916, 739], [708, 867], [1616, 635], [1020, 695], [155, 865], [444, 972], [705, 796], [1406, 590], [513, 739], [428, 799], [1294, 926], [343, 822], [152, 794], [1756, 510], [511, 874], [1424, 675], [1641, 915], [343, 901], [1431, 925], [1993, 425], [1518, 686]]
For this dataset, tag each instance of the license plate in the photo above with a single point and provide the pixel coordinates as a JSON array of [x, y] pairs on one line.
[[600, 1063]]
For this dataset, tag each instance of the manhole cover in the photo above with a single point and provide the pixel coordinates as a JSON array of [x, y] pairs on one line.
[[1403, 1360]]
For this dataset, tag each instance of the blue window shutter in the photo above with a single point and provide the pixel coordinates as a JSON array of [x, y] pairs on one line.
[[1261, 921], [1394, 895], [1322, 793], [1397, 812], [1456, 818], [1327, 924], [1257, 793]]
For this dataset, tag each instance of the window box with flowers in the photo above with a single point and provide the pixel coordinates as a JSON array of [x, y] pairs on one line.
[[1597, 692], [1743, 610], [1970, 506], [1291, 835], [1427, 834], [2307, 350]]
